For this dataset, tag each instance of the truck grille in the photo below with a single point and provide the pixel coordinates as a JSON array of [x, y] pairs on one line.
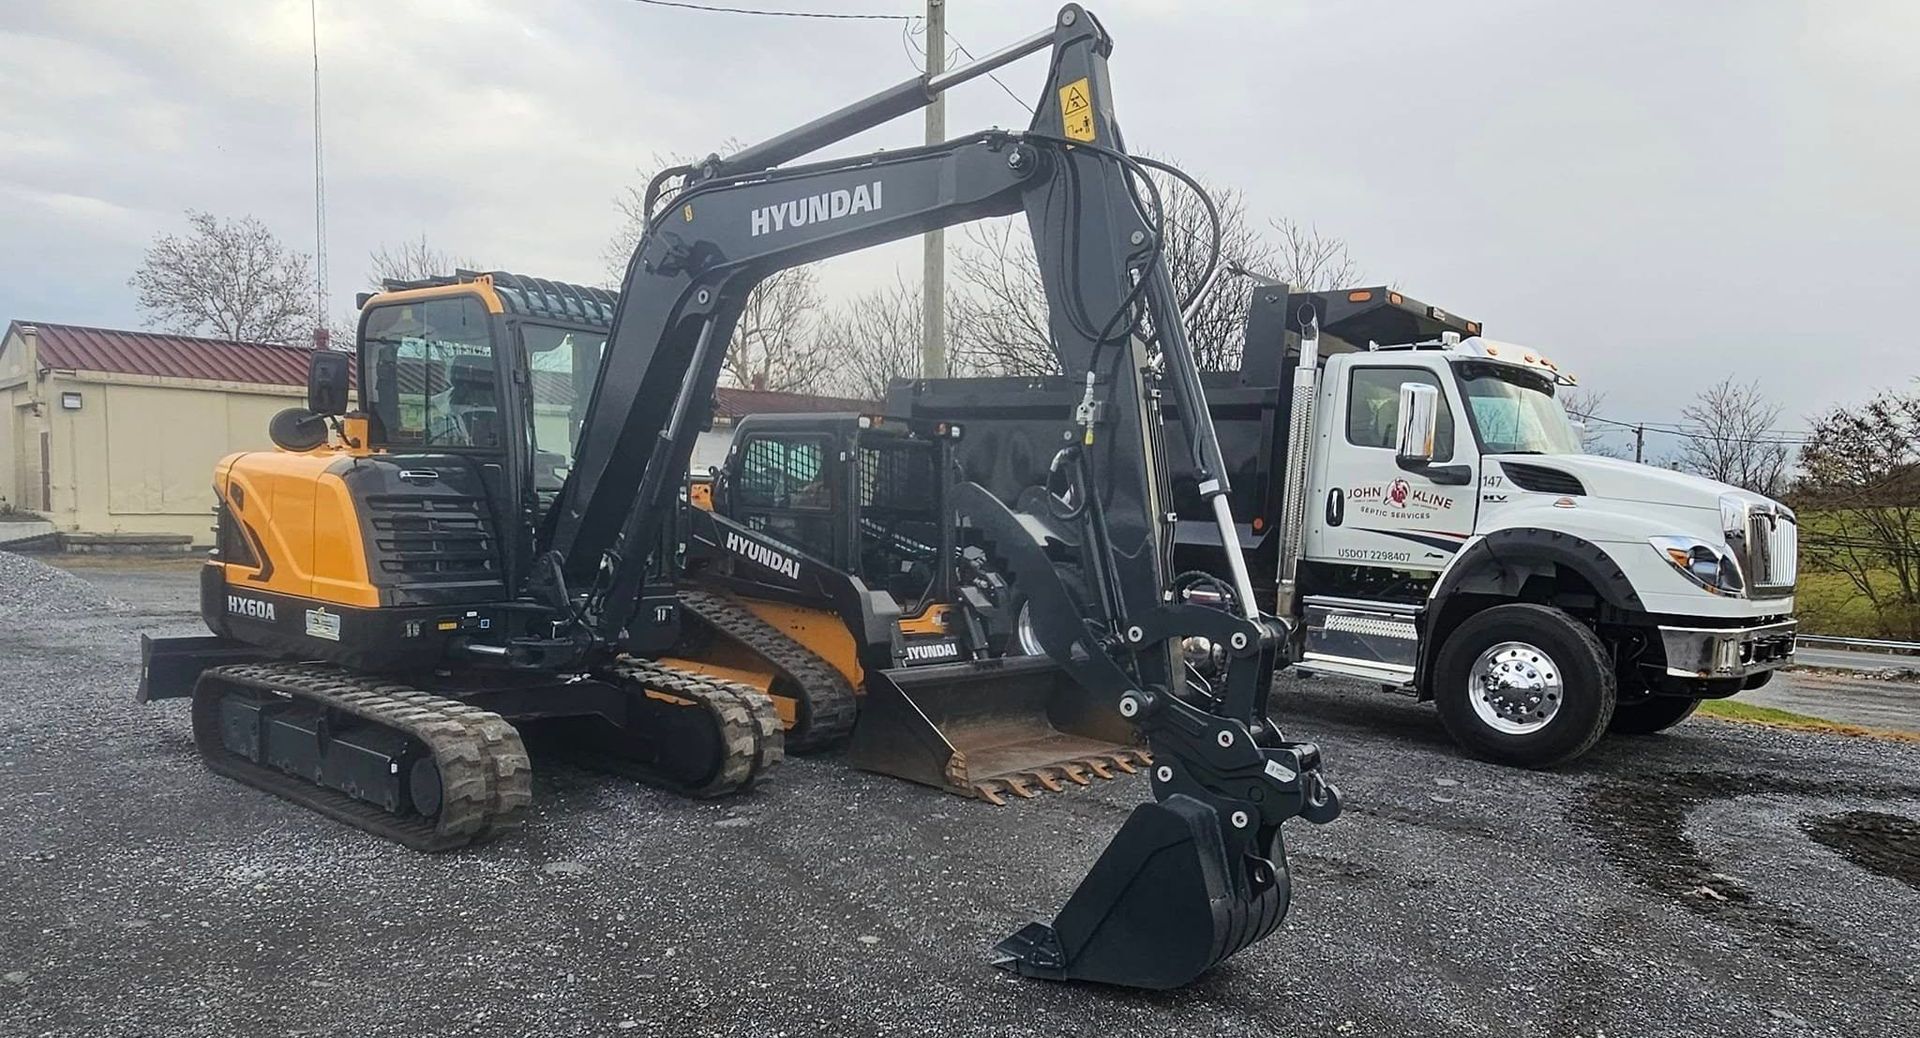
[[1772, 549]]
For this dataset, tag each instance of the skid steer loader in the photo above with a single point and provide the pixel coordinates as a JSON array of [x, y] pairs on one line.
[[826, 565], [400, 589]]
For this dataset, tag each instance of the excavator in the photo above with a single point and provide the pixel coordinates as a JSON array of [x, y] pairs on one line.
[[400, 589]]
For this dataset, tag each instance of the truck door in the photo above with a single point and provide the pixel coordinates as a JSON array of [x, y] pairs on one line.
[[1370, 510], [785, 485]]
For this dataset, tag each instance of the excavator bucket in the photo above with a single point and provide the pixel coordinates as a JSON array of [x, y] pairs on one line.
[[1015, 726], [1165, 902]]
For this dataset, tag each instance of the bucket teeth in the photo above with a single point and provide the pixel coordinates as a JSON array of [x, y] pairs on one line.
[[1053, 777]]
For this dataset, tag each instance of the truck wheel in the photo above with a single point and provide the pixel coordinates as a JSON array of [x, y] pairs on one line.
[[1650, 715], [1526, 685]]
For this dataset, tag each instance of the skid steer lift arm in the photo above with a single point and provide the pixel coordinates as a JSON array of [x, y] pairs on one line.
[[1200, 872]]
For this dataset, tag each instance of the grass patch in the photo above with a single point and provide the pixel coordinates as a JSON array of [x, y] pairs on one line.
[[1748, 713]]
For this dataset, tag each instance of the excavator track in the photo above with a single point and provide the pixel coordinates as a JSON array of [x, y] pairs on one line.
[[484, 779], [745, 730], [828, 704]]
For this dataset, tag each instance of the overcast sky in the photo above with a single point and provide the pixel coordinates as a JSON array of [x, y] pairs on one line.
[[1657, 194]]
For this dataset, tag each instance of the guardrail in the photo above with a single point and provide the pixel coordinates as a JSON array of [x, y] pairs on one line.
[[1891, 648]]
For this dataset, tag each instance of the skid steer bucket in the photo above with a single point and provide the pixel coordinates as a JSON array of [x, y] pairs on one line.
[[989, 728], [1164, 903]]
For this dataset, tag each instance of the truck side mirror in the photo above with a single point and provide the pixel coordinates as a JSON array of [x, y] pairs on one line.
[[327, 382], [1419, 423]]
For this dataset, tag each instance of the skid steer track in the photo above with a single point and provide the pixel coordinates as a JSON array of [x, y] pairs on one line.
[[828, 706], [485, 777], [744, 721]]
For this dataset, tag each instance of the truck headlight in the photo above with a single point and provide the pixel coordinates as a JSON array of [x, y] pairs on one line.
[[1708, 565]]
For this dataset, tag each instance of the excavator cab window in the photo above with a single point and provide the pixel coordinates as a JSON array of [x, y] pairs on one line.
[[562, 364], [433, 382]]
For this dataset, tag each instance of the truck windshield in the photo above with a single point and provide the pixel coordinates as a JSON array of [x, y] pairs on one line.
[[1515, 412]]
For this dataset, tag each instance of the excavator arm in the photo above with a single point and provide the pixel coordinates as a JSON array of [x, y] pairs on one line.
[[1201, 871]]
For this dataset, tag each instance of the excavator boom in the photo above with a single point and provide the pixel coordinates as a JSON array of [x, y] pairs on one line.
[[1196, 874]]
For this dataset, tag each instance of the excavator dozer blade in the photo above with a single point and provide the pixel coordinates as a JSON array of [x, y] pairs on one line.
[[1161, 906], [990, 728]]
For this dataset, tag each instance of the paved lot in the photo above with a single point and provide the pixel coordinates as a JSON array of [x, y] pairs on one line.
[[1722, 880]]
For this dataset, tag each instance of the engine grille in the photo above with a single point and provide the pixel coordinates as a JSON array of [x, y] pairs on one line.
[[1772, 549], [432, 538], [1541, 479]]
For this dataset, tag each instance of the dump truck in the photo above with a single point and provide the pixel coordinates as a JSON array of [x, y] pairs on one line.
[[1413, 497], [403, 587]]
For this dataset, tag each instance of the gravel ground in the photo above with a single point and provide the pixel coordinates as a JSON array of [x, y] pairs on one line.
[[1721, 880]]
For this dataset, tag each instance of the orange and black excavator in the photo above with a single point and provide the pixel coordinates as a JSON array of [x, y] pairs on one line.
[[402, 588]]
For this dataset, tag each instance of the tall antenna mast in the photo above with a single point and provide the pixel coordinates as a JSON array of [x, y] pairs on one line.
[[320, 334]]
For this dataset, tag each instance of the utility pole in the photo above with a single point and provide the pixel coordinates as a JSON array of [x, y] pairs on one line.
[[1639, 441], [321, 336], [933, 294]]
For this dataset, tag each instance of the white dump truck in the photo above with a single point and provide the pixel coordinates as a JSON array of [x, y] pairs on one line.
[[1422, 512]]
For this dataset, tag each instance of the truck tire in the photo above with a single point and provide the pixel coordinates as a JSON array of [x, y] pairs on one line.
[[1526, 685], [1651, 715]]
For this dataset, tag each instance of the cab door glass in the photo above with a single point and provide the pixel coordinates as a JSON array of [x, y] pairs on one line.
[[434, 382], [1373, 409], [784, 489], [562, 364]]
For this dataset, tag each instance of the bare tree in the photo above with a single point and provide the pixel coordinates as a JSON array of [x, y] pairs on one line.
[[875, 338], [1729, 435], [1309, 261], [773, 345], [1582, 405], [231, 279], [1000, 313], [413, 260], [999, 322], [1859, 502]]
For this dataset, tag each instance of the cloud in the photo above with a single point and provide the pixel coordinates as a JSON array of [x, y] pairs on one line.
[[1634, 187]]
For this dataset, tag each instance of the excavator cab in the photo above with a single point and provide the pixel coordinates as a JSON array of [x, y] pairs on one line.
[[833, 540]]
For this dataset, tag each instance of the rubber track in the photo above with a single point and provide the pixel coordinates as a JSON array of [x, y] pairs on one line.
[[748, 725], [831, 706], [485, 775]]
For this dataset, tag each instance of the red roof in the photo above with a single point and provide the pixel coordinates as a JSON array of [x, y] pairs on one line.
[[738, 403], [69, 347]]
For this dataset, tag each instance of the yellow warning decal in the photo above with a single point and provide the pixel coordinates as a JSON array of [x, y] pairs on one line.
[[1076, 110]]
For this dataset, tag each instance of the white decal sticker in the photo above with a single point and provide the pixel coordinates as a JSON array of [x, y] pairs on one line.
[[322, 624], [1279, 772]]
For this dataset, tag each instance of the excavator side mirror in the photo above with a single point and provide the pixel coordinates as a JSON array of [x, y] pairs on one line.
[[327, 382], [1419, 424]]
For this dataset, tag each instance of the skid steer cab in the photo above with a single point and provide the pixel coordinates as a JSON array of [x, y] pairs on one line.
[[826, 564]]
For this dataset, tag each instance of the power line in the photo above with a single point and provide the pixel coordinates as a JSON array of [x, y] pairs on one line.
[[771, 13]]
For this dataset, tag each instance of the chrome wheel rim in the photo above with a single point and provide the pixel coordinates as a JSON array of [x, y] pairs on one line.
[[1024, 633], [1515, 688]]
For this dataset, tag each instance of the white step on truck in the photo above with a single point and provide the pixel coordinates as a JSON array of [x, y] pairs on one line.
[[1422, 512]]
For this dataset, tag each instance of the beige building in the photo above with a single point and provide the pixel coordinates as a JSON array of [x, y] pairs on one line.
[[106, 431]]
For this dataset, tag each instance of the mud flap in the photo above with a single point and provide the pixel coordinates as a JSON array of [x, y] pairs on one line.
[[989, 728], [1164, 903]]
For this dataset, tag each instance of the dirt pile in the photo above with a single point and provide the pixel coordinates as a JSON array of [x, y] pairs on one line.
[[31, 588]]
